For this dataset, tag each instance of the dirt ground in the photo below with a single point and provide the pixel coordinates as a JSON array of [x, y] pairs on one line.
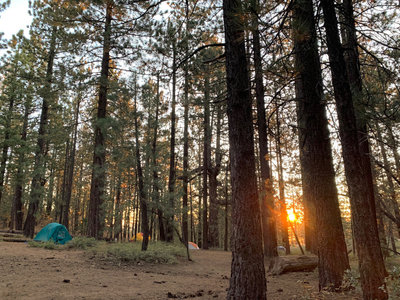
[[37, 273]]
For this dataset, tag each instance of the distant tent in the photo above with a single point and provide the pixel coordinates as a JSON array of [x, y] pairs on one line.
[[55, 232], [193, 246]]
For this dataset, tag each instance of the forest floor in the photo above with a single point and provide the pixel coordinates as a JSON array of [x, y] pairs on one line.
[[37, 273]]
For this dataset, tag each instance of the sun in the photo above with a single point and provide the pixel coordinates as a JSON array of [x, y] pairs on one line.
[[291, 216]]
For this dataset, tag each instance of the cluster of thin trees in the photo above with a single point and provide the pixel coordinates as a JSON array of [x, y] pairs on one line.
[[189, 121]]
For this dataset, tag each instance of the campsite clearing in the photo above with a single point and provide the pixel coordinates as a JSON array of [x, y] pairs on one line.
[[37, 273]]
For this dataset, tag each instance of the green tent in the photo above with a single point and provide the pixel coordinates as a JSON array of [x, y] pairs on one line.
[[54, 231]]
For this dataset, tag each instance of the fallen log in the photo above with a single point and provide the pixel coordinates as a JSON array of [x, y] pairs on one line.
[[14, 240], [14, 235], [296, 263], [11, 231]]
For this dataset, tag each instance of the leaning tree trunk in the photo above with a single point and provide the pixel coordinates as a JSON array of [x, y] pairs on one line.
[[97, 189], [38, 175], [247, 270], [318, 175], [267, 199], [371, 265]]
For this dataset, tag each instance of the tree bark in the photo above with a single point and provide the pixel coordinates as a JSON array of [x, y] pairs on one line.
[[16, 209], [206, 156], [156, 188], [172, 171], [38, 176], [70, 170], [6, 143], [185, 233], [142, 192], [213, 177], [247, 269], [98, 182], [281, 183], [371, 266], [267, 200], [318, 175]]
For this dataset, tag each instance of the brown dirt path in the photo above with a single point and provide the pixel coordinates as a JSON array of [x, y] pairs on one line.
[[36, 273]]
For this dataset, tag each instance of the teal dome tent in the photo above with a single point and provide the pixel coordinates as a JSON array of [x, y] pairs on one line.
[[55, 232]]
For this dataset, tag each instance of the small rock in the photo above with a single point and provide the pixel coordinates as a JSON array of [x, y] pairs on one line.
[[279, 290], [170, 295], [66, 280]]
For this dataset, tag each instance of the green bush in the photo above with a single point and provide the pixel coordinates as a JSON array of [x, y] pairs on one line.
[[81, 242], [131, 252], [46, 245]]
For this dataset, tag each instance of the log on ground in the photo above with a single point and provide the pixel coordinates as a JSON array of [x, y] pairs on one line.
[[296, 263]]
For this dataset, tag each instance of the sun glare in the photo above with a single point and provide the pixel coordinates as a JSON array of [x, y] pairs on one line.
[[291, 216]]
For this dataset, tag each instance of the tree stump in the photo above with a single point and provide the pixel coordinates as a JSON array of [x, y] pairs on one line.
[[286, 264]]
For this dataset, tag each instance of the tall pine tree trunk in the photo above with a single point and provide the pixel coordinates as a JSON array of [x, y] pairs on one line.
[[267, 201], [156, 188], [6, 143], [142, 192], [16, 209], [371, 266], [38, 175], [70, 170], [318, 175], [97, 189], [172, 171], [206, 156], [281, 184], [247, 269], [185, 233], [213, 177]]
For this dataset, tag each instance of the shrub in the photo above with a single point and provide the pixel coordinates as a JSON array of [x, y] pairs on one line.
[[131, 252], [46, 245], [81, 242]]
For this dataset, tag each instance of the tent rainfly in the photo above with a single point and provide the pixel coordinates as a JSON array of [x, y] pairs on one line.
[[193, 246], [55, 232]]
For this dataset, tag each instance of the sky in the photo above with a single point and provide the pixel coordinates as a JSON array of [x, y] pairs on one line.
[[14, 18]]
